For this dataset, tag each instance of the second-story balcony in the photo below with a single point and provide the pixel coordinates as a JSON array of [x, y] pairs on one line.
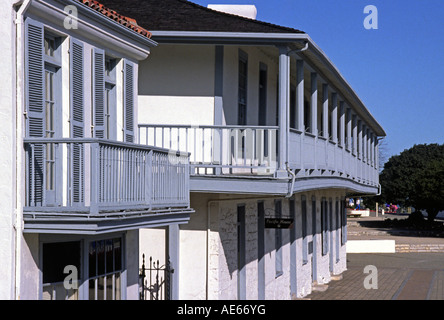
[[85, 185], [240, 153]]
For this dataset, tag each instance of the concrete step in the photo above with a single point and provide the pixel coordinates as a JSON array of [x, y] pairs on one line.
[[336, 277], [319, 287]]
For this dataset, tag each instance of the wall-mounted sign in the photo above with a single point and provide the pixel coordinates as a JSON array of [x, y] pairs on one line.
[[278, 223]]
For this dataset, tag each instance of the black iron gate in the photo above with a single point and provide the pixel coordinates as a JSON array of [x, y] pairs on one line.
[[155, 280]]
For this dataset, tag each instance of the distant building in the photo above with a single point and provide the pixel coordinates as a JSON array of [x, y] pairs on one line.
[[277, 139]]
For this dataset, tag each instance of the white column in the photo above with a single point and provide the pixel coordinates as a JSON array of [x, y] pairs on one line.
[[349, 128], [284, 99], [341, 123], [360, 139], [300, 94], [364, 143], [314, 104], [325, 109], [355, 134], [334, 117], [173, 255]]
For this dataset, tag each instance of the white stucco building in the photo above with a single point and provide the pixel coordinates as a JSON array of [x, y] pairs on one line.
[[277, 139], [76, 186]]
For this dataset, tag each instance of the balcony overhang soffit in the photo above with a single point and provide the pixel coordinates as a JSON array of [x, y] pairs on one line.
[[63, 223]]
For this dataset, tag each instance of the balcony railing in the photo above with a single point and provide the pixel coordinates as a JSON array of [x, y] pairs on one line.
[[219, 150], [310, 153], [254, 150], [98, 175]]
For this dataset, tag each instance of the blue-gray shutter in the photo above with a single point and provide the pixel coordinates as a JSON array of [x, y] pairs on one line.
[[129, 102], [77, 119], [35, 121], [98, 82]]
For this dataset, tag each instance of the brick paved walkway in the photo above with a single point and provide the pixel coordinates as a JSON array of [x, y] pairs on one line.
[[400, 276], [414, 272]]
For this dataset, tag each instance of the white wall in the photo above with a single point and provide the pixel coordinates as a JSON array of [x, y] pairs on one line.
[[7, 150], [213, 274], [176, 85], [132, 264], [230, 90], [30, 280]]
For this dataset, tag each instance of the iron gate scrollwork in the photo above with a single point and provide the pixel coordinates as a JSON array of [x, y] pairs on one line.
[[155, 280]]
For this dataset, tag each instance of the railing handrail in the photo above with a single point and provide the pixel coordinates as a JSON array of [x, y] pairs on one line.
[[115, 143], [120, 173], [211, 149], [187, 126]]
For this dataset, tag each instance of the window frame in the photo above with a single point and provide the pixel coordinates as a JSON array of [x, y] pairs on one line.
[[83, 281], [242, 89]]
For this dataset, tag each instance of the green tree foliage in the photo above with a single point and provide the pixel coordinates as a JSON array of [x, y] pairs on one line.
[[415, 178]]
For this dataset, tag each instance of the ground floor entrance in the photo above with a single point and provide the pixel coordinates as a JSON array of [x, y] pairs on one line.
[[87, 268]]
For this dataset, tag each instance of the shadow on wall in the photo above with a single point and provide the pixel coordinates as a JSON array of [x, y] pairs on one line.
[[228, 219], [164, 73]]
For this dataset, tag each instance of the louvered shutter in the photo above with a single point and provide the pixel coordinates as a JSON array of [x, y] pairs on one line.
[[98, 81], [77, 119], [129, 102], [35, 121]]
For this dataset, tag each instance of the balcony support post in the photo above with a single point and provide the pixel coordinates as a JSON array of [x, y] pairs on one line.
[[325, 123], [95, 176], [314, 104], [341, 123], [355, 134], [334, 117], [348, 123], [173, 256], [300, 94], [283, 110]]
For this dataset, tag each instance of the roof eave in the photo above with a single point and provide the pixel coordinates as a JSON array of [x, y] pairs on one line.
[[104, 19], [226, 37]]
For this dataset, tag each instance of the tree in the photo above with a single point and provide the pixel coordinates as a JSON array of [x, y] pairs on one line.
[[415, 178]]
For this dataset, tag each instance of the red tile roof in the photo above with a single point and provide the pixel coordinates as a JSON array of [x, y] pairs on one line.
[[125, 21]]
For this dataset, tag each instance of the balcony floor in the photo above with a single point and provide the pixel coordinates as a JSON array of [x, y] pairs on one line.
[[104, 222]]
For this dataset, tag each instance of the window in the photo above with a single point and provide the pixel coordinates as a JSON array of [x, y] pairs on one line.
[[241, 278], [262, 94], [293, 112], [324, 226], [307, 116], [110, 97], [105, 269], [304, 230], [50, 126], [56, 256], [242, 88], [52, 64], [261, 249]]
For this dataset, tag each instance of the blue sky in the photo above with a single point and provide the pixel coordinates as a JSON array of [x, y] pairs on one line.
[[396, 70]]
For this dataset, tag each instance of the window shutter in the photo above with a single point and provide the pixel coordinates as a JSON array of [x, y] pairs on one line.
[[34, 106], [129, 102], [77, 118], [77, 89], [98, 82]]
